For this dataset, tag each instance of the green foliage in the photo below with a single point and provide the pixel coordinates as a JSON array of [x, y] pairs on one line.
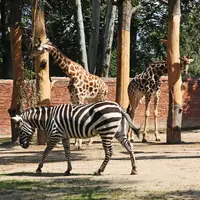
[[150, 23], [113, 67], [190, 37]]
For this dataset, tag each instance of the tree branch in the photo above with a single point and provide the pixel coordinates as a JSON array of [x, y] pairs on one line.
[[134, 9], [116, 2], [163, 2]]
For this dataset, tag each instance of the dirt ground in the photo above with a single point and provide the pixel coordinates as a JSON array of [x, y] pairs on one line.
[[164, 171]]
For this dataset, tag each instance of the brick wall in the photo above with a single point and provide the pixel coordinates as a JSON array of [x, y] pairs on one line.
[[191, 105]]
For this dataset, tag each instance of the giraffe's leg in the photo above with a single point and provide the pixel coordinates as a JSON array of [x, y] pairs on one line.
[[156, 102], [90, 141], [77, 100], [50, 145], [147, 106], [107, 145], [66, 145], [134, 101]]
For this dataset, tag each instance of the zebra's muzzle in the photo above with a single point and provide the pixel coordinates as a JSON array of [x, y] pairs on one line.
[[25, 145]]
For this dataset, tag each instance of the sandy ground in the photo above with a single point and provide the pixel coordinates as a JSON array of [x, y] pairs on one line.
[[170, 169]]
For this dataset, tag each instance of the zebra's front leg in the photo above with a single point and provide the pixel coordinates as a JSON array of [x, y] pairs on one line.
[[50, 145], [108, 153], [66, 145]]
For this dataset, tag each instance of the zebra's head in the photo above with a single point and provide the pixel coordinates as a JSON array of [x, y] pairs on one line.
[[25, 131], [185, 62]]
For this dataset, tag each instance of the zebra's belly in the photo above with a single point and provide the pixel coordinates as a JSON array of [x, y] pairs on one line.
[[81, 135]]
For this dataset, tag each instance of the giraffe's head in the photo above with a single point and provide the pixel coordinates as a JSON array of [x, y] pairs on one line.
[[184, 63], [41, 47]]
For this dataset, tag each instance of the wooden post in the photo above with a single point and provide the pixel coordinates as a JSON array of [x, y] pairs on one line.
[[174, 74], [17, 64], [123, 62], [41, 62]]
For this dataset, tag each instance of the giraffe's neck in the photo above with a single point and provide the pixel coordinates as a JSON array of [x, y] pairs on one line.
[[69, 67], [157, 69]]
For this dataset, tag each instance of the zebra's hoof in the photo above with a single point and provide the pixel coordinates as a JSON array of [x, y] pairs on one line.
[[134, 172], [38, 171], [158, 139], [144, 140], [67, 173], [97, 173]]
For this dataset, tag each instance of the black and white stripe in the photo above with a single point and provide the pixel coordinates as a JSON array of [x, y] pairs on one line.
[[77, 121]]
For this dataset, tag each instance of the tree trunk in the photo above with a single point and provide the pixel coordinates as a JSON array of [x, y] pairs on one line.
[[107, 39], [41, 62], [81, 34], [94, 38], [17, 64], [123, 62], [174, 74], [6, 65]]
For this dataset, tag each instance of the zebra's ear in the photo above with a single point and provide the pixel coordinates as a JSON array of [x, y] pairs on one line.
[[17, 118]]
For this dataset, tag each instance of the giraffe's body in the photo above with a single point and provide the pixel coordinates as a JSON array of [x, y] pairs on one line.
[[147, 84], [83, 86]]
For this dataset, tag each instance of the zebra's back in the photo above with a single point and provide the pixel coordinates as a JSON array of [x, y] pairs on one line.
[[84, 121]]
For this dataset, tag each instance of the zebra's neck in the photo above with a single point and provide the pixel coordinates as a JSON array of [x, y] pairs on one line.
[[38, 117]]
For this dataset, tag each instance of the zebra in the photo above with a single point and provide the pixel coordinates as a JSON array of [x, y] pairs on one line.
[[67, 121]]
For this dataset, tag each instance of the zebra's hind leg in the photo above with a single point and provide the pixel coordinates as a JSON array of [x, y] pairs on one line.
[[107, 145], [66, 145], [124, 141], [50, 145]]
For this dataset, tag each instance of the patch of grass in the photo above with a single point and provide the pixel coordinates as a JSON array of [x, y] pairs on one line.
[[82, 189]]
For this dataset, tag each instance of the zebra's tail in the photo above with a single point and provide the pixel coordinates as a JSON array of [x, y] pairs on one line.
[[129, 120], [128, 109]]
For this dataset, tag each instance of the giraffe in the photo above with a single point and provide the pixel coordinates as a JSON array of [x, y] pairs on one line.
[[83, 86], [148, 84]]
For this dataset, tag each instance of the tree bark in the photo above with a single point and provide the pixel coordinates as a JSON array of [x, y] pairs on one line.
[[81, 34], [94, 38], [174, 74], [123, 62], [17, 64], [107, 39], [41, 62]]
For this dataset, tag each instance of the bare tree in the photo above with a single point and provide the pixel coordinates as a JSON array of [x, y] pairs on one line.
[[41, 61], [17, 63], [125, 12], [107, 39], [94, 38], [81, 34], [174, 74]]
